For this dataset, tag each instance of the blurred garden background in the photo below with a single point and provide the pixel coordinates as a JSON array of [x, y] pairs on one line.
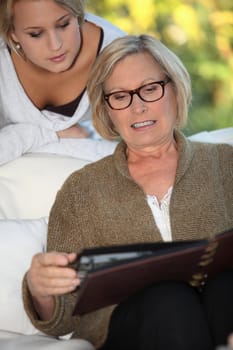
[[200, 32]]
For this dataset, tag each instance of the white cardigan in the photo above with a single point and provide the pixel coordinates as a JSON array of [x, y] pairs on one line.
[[23, 127]]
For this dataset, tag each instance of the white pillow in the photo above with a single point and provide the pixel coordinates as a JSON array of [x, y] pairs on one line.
[[20, 240], [215, 136], [13, 341], [28, 185]]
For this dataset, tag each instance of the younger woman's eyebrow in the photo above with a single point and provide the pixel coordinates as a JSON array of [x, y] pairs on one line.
[[57, 20]]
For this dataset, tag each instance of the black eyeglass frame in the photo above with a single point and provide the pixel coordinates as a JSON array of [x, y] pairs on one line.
[[162, 83]]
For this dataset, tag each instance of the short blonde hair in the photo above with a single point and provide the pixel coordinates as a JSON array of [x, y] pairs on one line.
[[116, 51], [7, 16]]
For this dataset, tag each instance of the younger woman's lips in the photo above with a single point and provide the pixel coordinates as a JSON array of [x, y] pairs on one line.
[[58, 58]]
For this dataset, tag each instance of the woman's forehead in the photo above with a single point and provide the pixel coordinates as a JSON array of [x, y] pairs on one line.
[[134, 69]]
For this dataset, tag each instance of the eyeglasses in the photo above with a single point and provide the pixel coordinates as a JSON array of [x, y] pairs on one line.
[[148, 93]]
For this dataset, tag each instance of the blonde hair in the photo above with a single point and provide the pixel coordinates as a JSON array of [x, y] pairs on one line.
[[121, 48], [7, 16]]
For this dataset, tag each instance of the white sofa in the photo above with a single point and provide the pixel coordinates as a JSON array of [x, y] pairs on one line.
[[28, 187]]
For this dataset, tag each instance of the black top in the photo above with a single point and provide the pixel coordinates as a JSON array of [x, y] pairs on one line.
[[69, 108]]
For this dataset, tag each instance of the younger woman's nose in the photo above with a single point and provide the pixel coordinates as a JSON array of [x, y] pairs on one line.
[[54, 41]]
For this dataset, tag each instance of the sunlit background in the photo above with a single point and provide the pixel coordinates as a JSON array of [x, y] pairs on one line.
[[201, 34]]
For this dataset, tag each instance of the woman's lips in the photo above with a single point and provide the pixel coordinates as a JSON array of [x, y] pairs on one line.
[[143, 124], [59, 58]]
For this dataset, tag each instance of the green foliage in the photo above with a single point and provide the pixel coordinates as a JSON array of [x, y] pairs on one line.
[[200, 32]]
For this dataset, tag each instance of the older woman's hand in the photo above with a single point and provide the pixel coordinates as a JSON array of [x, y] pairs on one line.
[[230, 341], [48, 276]]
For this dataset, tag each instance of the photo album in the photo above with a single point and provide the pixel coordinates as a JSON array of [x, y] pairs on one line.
[[111, 274]]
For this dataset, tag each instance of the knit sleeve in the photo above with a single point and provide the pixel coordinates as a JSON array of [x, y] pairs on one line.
[[226, 171], [70, 229]]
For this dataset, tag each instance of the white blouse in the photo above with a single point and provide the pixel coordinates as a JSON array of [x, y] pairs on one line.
[[160, 211]]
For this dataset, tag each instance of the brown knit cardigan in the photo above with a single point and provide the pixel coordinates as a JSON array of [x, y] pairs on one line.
[[101, 205]]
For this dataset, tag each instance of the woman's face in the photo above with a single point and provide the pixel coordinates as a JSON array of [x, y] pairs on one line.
[[48, 34], [143, 125]]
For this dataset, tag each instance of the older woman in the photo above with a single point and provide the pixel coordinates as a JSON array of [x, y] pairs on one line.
[[157, 186]]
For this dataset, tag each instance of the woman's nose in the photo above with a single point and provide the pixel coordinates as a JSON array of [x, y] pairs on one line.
[[54, 41], [138, 105]]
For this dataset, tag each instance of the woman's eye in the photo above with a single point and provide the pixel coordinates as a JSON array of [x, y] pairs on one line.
[[120, 96], [65, 24], [35, 35], [150, 88]]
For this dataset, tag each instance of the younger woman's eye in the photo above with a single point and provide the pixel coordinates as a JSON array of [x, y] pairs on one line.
[[35, 34], [64, 25]]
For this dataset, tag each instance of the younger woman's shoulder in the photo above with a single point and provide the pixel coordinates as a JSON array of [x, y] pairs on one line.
[[110, 30]]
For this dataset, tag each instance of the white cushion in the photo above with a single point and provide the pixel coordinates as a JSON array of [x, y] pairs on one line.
[[28, 185], [19, 241], [215, 136], [12, 341]]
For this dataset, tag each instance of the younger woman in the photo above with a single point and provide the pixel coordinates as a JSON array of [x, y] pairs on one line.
[[47, 49]]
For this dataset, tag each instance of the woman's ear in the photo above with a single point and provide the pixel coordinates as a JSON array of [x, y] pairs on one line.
[[13, 37], [14, 44]]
